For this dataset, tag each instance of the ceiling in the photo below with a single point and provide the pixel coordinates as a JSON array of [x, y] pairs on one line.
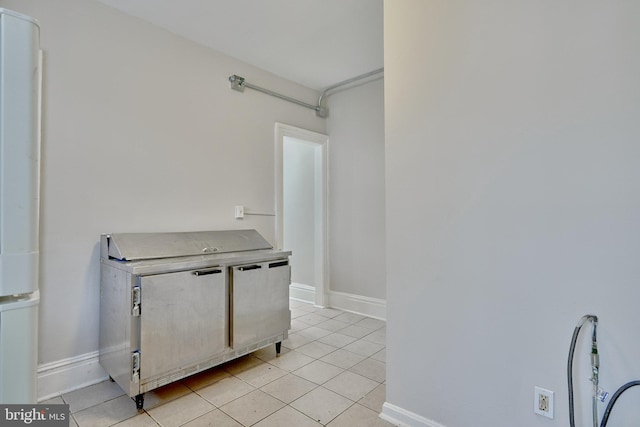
[[316, 43]]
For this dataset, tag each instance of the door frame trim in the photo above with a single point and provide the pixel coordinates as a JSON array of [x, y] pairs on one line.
[[321, 142]]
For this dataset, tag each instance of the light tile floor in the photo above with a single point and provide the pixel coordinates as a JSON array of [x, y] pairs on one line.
[[331, 371]]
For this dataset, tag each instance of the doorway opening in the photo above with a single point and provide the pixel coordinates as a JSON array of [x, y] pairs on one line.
[[301, 209]]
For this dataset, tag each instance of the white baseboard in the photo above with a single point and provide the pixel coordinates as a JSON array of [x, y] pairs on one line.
[[304, 293], [367, 306], [403, 418], [371, 307], [69, 374]]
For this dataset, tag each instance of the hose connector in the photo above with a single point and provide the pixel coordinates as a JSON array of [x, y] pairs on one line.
[[595, 365]]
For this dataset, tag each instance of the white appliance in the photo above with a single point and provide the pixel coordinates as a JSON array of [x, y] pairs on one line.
[[20, 81]]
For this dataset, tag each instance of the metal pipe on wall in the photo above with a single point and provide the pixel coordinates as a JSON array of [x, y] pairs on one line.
[[239, 83], [322, 111]]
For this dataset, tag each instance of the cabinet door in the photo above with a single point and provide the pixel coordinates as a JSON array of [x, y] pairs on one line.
[[183, 320], [277, 316], [245, 306], [260, 302]]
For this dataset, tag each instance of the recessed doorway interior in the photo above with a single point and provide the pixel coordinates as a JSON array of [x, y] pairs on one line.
[[301, 206]]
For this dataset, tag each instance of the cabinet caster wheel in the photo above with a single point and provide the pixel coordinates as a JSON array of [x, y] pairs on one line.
[[278, 348], [140, 403]]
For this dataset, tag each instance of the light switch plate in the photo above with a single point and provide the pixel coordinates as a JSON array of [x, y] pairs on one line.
[[239, 212]]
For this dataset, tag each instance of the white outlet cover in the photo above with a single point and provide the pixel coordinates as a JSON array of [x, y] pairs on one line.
[[539, 393]]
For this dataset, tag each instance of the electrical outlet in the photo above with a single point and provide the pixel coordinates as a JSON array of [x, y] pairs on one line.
[[543, 402]]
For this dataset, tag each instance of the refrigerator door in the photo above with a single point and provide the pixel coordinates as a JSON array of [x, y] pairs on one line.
[[19, 349], [19, 152]]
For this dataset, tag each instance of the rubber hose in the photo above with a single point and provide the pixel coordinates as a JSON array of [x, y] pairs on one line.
[[615, 397], [572, 349]]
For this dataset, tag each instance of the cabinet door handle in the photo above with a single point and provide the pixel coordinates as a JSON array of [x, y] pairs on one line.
[[278, 264], [206, 272], [250, 267]]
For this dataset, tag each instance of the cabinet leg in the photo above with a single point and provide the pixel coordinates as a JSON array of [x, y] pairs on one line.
[[140, 403], [278, 347]]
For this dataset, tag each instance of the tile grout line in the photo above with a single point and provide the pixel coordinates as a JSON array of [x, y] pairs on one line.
[[268, 361]]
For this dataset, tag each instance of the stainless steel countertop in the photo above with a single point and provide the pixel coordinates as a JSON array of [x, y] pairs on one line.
[[167, 265]]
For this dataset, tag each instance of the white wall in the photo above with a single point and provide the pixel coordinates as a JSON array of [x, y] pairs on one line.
[[140, 133], [512, 199], [299, 209], [356, 206]]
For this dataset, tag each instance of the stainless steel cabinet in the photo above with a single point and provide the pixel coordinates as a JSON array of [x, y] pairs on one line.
[[223, 295]]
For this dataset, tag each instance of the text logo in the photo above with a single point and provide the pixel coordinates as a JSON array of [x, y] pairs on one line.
[[34, 415]]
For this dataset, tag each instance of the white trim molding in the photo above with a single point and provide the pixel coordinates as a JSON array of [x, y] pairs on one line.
[[69, 374], [304, 293], [320, 142], [403, 418], [367, 306]]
